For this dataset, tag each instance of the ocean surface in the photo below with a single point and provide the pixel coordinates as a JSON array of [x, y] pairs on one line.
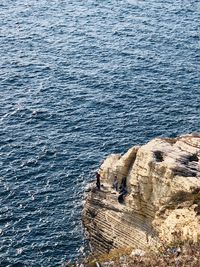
[[80, 80]]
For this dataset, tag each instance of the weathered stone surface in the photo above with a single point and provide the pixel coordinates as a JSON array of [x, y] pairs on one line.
[[163, 201]]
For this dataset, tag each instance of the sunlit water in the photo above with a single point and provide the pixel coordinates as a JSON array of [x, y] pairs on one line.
[[80, 80]]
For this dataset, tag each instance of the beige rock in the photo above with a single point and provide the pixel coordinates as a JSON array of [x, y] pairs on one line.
[[163, 201]]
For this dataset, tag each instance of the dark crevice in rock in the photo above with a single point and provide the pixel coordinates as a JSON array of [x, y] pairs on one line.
[[184, 171], [193, 157], [196, 190], [197, 209], [184, 199], [159, 156]]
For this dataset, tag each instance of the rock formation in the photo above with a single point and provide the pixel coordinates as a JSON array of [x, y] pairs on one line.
[[163, 201]]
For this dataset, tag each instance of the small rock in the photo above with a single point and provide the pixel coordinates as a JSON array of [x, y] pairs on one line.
[[123, 259], [137, 252]]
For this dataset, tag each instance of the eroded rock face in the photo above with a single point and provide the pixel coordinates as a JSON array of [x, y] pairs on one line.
[[163, 201]]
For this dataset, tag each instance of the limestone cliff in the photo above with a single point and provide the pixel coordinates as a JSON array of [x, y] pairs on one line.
[[163, 201]]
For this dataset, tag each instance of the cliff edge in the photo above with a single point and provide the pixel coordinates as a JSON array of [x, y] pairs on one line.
[[162, 202]]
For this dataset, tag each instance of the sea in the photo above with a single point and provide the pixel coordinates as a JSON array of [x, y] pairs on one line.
[[80, 80]]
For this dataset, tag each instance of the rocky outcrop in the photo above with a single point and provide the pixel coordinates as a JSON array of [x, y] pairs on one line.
[[163, 201]]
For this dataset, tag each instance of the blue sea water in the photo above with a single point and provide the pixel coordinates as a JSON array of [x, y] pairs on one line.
[[80, 80]]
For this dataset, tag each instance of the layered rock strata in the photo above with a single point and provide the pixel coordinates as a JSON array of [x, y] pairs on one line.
[[163, 201]]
